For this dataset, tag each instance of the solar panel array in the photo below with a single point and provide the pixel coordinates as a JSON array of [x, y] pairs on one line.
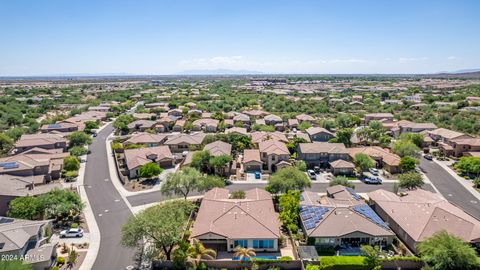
[[54, 126], [311, 215], [367, 212], [354, 194], [9, 165]]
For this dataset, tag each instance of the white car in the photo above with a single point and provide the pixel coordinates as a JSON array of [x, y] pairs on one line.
[[72, 232], [373, 171], [311, 174]]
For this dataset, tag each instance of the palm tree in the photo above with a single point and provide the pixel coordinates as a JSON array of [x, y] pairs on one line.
[[241, 253], [197, 252]]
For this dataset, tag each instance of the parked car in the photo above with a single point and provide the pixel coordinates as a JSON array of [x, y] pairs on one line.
[[312, 174], [428, 157], [72, 232], [373, 171], [258, 175], [372, 180], [316, 169]]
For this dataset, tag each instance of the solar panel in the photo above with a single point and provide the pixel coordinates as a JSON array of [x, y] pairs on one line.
[[354, 194], [311, 215], [9, 165], [54, 126], [368, 213]]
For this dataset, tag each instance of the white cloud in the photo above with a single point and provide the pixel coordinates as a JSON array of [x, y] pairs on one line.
[[403, 60], [450, 58]]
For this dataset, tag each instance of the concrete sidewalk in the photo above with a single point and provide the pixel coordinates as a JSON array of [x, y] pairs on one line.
[[466, 183]]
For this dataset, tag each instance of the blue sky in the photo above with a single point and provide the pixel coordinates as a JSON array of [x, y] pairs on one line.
[[297, 36]]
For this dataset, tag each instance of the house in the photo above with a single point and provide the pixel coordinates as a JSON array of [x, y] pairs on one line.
[[318, 134], [256, 113], [252, 161], [21, 186], [237, 130], [80, 119], [99, 108], [378, 117], [228, 123], [219, 148], [61, 126], [405, 126], [179, 143], [164, 124], [223, 224], [147, 139], [41, 140], [205, 124], [272, 119], [179, 124], [342, 167], [419, 214], [272, 152], [473, 99], [305, 118], [36, 161], [321, 153], [144, 116], [136, 158], [243, 118], [445, 135], [357, 98], [175, 112], [26, 239], [260, 136], [292, 123], [462, 146], [141, 125], [341, 218], [384, 159]]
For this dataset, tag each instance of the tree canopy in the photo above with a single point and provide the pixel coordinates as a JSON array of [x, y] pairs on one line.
[[150, 170], [162, 226], [407, 164], [443, 251], [187, 180], [289, 203], [71, 163], [79, 138], [286, 179], [341, 180], [363, 162], [411, 180]]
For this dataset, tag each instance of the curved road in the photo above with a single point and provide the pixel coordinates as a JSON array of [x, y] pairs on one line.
[[110, 211]]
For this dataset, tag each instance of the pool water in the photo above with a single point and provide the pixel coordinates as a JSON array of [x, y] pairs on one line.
[[256, 257]]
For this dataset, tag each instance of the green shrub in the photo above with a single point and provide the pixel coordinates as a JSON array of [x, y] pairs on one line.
[[285, 259], [343, 263], [74, 225], [60, 260]]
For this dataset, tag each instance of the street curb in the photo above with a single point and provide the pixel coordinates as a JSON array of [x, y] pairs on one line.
[[463, 182]]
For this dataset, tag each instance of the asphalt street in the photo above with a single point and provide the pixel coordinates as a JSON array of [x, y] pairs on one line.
[[450, 188], [110, 211], [156, 196]]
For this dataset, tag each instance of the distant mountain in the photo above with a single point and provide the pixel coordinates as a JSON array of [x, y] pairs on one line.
[[462, 73], [219, 72]]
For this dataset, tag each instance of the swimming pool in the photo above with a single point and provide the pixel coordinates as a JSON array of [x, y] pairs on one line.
[[256, 257]]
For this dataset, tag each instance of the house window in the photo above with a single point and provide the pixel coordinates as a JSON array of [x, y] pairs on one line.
[[263, 244], [241, 243]]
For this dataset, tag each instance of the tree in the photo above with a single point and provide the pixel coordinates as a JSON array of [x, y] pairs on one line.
[[162, 236], [343, 136], [60, 203], [197, 252], [78, 151], [292, 144], [415, 138], [238, 194], [79, 138], [363, 162], [410, 180], [219, 163], [24, 208], [372, 256], [407, 164], [121, 123], [6, 143], [341, 180], [186, 180], [200, 161], [289, 203], [243, 253], [301, 165], [150, 170], [286, 179], [443, 251], [405, 148], [469, 165], [15, 133], [89, 125], [14, 265], [304, 125], [71, 163]]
